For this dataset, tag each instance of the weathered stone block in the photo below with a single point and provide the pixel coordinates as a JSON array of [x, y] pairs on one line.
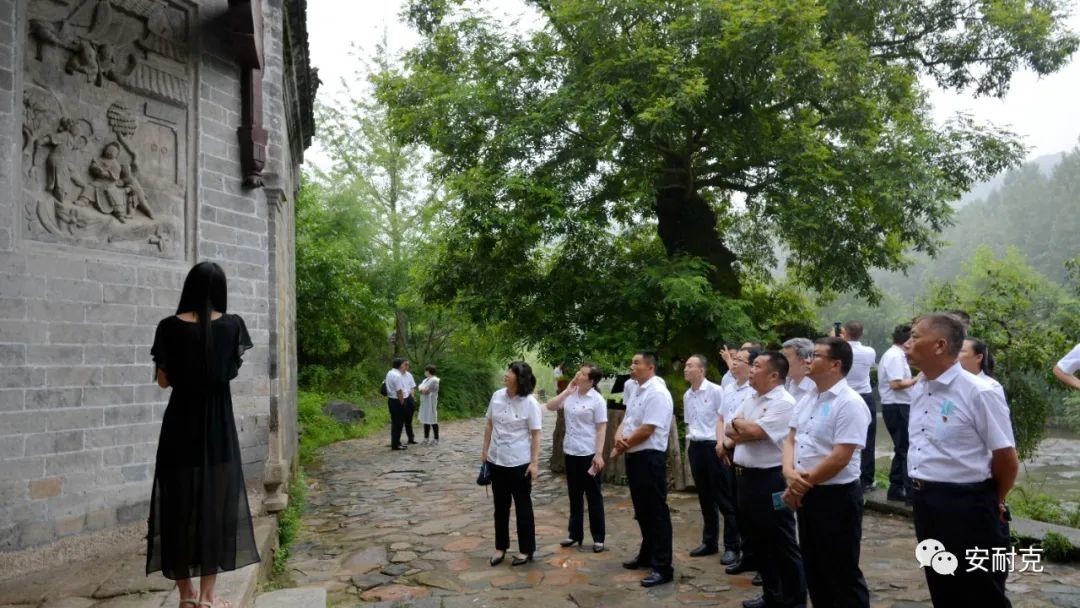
[[126, 294], [18, 469], [108, 395], [52, 354], [11, 400], [133, 512], [79, 418], [46, 488], [21, 286], [82, 375], [54, 443], [74, 290]]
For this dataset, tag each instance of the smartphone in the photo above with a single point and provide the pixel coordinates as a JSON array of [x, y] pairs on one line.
[[778, 501]]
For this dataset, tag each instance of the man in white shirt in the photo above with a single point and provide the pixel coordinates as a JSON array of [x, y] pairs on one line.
[[702, 403], [1065, 369], [962, 462], [798, 352], [643, 437], [408, 405], [734, 395], [858, 379], [894, 384], [821, 467], [757, 431], [395, 400]]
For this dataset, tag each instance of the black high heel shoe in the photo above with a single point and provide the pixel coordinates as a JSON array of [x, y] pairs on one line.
[[570, 543], [521, 559], [497, 559]]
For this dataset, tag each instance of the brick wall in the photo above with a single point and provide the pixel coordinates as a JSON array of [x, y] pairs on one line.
[[79, 413]]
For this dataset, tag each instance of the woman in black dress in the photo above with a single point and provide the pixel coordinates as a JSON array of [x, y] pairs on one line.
[[200, 523]]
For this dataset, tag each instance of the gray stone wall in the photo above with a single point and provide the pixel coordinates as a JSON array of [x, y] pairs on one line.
[[79, 413]]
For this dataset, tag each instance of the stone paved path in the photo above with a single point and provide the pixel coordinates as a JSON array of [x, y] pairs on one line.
[[413, 529]]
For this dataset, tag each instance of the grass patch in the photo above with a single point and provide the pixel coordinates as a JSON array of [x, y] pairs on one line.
[[318, 430], [1043, 507], [288, 526]]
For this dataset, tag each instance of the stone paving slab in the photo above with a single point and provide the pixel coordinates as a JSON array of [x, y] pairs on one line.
[[369, 505], [119, 580]]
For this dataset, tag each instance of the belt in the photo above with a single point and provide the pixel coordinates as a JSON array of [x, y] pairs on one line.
[[923, 486], [712, 441], [741, 470]]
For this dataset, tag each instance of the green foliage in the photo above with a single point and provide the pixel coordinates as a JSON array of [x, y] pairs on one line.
[[1056, 547], [465, 386], [621, 173], [318, 430], [289, 522], [1037, 505], [1018, 313]]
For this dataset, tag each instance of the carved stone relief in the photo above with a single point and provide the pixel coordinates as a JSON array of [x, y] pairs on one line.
[[108, 100]]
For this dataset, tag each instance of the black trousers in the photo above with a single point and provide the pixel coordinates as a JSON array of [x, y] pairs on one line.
[[646, 472], [867, 463], [715, 483], [408, 409], [397, 414], [962, 517], [830, 532], [512, 484], [896, 417], [428, 428], [580, 485], [772, 533]]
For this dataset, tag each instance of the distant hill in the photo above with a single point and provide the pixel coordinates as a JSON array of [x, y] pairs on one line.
[[982, 190], [1035, 208]]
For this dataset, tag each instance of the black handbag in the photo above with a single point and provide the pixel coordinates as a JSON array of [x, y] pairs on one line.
[[484, 478]]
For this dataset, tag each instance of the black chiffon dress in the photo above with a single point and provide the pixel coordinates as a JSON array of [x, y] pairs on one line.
[[200, 523]]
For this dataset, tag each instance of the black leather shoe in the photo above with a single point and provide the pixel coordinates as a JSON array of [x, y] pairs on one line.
[[729, 557], [400, 447], [756, 581], [521, 559], [702, 550], [497, 559], [634, 565], [570, 542], [754, 603], [655, 578], [896, 496], [738, 568]]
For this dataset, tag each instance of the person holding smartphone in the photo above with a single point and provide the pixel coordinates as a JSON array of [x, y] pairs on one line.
[[758, 430], [585, 412]]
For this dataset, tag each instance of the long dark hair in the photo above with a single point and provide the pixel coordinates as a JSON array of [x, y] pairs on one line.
[[526, 382], [980, 348], [204, 292]]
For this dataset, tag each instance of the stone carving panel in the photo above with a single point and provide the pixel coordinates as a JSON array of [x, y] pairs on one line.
[[108, 102]]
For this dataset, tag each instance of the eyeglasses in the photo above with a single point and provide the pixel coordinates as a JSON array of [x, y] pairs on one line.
[[814, 355]]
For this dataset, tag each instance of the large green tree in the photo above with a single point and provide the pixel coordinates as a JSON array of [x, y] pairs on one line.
[[634, 163]]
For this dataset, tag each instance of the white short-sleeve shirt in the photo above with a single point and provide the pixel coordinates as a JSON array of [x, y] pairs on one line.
[[772, 412], [822, 420], [701, 410], [582, 413], [799, 389], [862, 359], [408, 384], [994, 383], [393, 383], [651, 404], [512, 420], [734, 395], [957, 420], [893, 366], [726, 379], [1070, 362]]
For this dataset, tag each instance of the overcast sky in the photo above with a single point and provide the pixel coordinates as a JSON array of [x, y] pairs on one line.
[[1043, 111]]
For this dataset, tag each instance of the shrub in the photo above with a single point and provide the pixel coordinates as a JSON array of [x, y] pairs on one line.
[[1056, 547]]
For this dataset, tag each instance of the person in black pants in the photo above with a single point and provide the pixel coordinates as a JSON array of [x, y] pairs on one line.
[[962, 461], [408, 403], [585, 416], [512, 447], [643, 437], [702, 403], [395, 401], [894, 382], [757, 430], [821, 466]]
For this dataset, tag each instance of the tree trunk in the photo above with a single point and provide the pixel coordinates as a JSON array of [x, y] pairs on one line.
[[401, 333]]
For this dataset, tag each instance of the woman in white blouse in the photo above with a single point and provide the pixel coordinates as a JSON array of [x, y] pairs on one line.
[[585, 414], [512, 446], [429, 404], [975, 358]]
